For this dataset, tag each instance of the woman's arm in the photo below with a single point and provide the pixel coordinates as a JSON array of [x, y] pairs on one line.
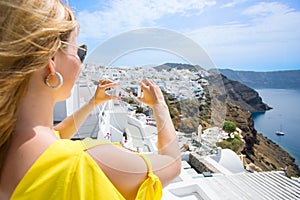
[[127, 170], [168, 165], [69, 126]]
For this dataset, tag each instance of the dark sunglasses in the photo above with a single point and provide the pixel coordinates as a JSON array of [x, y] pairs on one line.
[[81, 50]]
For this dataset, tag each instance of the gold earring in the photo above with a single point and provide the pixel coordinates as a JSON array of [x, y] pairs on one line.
[[60, 81]]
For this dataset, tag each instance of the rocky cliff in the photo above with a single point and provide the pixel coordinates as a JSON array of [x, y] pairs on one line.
[[245, 97], [241, 101], [259, 150]]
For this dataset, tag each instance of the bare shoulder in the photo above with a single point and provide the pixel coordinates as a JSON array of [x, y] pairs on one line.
[[22, 154], [112, 157]]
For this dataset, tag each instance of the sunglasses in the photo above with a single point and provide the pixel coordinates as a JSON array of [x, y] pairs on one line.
[[81, 50]]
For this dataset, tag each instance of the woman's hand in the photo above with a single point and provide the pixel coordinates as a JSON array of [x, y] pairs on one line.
[[101, 95], [152, 95]]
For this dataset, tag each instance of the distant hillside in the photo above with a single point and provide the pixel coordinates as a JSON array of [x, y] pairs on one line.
[[178, 66], [277, 79]]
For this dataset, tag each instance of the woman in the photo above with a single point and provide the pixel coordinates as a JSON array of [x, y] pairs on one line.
[[40, 62]]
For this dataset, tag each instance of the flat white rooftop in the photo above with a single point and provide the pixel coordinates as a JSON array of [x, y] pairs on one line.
[[263, 185]]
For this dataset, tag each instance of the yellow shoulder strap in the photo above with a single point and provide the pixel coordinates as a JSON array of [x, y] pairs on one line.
[[151, 188], [90, 143], [57, 134], [147, 161]]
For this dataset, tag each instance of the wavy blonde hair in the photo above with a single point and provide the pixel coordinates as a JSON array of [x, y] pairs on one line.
[[30, 35]]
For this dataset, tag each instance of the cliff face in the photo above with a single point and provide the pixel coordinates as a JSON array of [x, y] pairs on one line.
[[244, 96], [259, 150]]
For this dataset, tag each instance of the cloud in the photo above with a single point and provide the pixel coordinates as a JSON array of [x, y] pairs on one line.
[[267, 9], [233, 3], [271, 34], [119, 16]]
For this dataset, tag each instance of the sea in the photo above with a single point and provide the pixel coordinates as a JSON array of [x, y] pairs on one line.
[[285, 117]]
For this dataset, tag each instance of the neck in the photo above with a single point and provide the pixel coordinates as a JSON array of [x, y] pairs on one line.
[[35, 112]]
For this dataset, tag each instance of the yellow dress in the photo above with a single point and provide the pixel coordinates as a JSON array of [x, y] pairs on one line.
[[64, 171]]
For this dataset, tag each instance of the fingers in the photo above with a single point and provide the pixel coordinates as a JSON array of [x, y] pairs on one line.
[[106, 84], [146, 85], [151, 93], [147, 82], [102, 95], [114, 98], [143, 85]]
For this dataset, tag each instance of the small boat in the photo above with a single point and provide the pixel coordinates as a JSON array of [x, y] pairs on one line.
[[279, 133]]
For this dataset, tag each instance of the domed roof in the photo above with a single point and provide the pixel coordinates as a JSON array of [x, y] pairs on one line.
[[230, 160]]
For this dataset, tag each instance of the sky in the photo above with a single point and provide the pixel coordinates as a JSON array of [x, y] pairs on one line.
[[246, 35]]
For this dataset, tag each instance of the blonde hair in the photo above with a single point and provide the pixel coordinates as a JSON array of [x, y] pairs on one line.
[[30, 35]]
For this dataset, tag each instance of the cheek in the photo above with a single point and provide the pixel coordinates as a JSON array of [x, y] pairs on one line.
[[78, 70], [72, 76], [76, 74], [69, 67], [73, 70]]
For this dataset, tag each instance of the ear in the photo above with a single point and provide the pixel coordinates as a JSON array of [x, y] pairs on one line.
[[51, 66]]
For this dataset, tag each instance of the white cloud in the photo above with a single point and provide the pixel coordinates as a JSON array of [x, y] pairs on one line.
[[121, 16], [233, 3], [267, 8], [272, 33]]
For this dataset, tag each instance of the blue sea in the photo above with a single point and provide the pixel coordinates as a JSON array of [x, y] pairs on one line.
[[285, 116]]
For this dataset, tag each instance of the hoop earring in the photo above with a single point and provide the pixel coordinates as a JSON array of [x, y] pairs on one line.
[[60, 81]]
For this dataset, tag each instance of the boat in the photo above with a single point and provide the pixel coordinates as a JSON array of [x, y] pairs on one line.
[[280, 133]]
